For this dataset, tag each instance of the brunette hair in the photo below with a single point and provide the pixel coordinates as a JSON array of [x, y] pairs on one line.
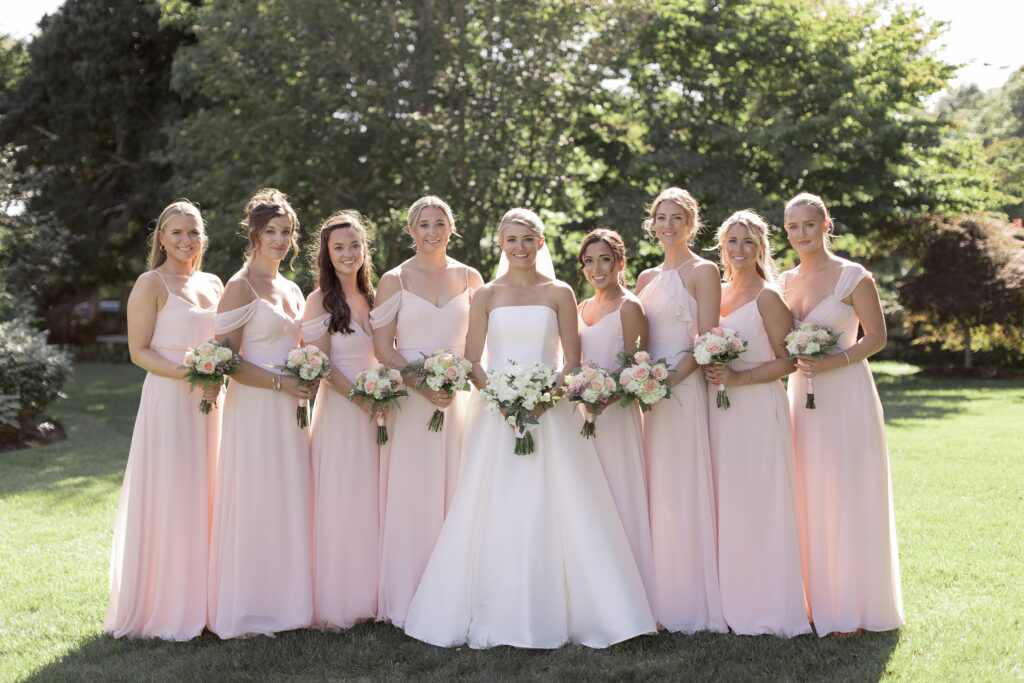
[[264, 206], [179, 207], [326, 279], [614, 242], [758, 229], [685, 200]]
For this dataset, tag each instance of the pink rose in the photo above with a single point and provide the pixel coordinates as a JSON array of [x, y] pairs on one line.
[[312, 349], [659, 372], [642, 357], [369, 386], [207, 367], [452, 373], [640, 372], [315, 361], [715, 348], [609, 384], [717, 331], [735, 344], [295, 356], [650, 386], [395, 375]]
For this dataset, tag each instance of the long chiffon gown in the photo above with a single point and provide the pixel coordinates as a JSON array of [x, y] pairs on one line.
[[345, 480], [532, 553], [161, 533], [619, 441], [679, 478], [752, 452], [844, 494], [419, 469], [260, 545]]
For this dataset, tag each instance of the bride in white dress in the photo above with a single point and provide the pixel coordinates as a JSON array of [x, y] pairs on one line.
[[532, 553]]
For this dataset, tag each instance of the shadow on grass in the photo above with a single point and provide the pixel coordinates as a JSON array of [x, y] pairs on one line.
[[376, 651]]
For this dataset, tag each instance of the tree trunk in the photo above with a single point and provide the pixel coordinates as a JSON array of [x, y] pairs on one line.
[[968, 356]]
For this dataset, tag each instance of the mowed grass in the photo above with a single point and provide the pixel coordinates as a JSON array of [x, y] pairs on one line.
[[956, 449]]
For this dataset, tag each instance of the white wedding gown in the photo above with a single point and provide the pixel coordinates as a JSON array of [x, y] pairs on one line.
[[532, 553]]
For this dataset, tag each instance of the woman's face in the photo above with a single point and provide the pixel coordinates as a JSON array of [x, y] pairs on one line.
[[345, 245], [671, 223], [431, 231], [520, 245], [600, 265], [182, 238], [806, 229], [739, 249], [276, 238]]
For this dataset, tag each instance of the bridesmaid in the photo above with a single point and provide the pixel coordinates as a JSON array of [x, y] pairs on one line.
[[161, 533], [344, 446], [424, 307], [260, 553], [844, 495], [751, 445], [681, 298], [607, 319]]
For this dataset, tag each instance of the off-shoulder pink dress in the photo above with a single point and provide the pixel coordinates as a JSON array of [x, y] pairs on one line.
[[260, 542], [345, 481], [619, 441], [844, 493], [758, 545], [419, 468], [679, 479], [161, 532]]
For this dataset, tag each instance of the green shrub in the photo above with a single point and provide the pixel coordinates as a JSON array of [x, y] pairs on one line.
[[31, 370]]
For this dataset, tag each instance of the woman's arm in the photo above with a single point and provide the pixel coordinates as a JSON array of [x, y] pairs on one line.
[[568, 328], [868, 307], [476, 335], [147, 297], [634, 326], [778, 322], [707, 287]]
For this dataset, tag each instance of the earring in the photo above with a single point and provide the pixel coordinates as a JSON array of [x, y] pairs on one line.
[[162, 248]]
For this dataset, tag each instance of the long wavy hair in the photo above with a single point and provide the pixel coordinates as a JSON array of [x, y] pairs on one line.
[[264, 206], [327, 280], [757, 227], [614, 242]]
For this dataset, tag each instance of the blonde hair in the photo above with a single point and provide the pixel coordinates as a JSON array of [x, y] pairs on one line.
[[685, 200], [423, 202], [816, 203], [180, 207], [265, 206], [758, 229], [522, 217]]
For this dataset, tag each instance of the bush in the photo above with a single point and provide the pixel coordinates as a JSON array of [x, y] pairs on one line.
[[32, 372]]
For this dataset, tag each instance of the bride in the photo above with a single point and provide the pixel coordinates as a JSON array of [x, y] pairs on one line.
[[532, 553]]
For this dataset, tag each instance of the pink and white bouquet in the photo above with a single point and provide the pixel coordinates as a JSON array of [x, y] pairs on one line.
[[208, 364], [380, 385], [812, 341], [307, 364], [593, 387], [718, 346], [643, 379], [442, 371], [516, 390]]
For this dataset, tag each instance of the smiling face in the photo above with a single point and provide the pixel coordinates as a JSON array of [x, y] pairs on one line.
[[347, 251], [806, 229], [739, 249], [520, 244], [182, 238], [601, 266], [276, 238], [431, 230], [671, 222]]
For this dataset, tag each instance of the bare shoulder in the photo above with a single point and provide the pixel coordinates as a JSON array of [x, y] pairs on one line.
[[705, 273], [236, 293], [314, 305], [632, 306], [476, 281], [212, 280], [645, 277], [769, 300], [388, 285]]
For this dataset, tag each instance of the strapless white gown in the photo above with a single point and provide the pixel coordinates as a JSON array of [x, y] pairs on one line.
[[533, 553]]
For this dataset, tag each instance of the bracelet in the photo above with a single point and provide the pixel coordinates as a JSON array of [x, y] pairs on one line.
[[751, 373], [276, 385], [847, 357]]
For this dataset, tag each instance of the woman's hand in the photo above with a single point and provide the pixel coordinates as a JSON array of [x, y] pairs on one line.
[[304, 391], [211, 392], [814, 366], [440, 399], [724, 375]]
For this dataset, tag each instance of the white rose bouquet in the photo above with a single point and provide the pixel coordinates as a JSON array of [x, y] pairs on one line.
[[208, 365], [718, 346], [308, 364], [594, 387], [812, 341], [441, 371], [643, 379], [380, 385], [518, 390]]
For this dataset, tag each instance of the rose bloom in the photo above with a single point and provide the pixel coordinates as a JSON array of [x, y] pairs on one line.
[[735, 344], [295, 356], [369, 386], [314, 361], [395, 375], [207, 367], [640, 372], [715, 348], [206, 349], [452, 373], [597, 384], [223, 354], [190, 357], [659, 372], [609, 384]]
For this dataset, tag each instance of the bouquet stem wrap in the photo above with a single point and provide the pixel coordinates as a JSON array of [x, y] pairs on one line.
[[382, 430], [718, 346], [809, 403], [723, 398]]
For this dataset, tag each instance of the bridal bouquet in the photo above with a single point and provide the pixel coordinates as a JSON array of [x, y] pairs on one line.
[[812, 341], [442, 371], [208, 364], [593, 387], [307, 364], [718, 346], [380, 386], [517, 390], [643, 379]]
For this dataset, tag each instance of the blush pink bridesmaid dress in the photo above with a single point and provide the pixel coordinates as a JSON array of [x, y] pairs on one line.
[[679, 479], [260, 542], [619, 441], [752, 452], [419, 469], [346, 469], [844, 493], [161, 532]]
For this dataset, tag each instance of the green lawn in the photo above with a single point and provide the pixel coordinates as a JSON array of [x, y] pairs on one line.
[[958, 472]]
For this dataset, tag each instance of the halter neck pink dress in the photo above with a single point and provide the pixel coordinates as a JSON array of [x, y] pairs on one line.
[[758, 545], [620, 445], [260, 545], [346, 469], [679, 479], [419, 468], [161, 532], [844, 493]]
